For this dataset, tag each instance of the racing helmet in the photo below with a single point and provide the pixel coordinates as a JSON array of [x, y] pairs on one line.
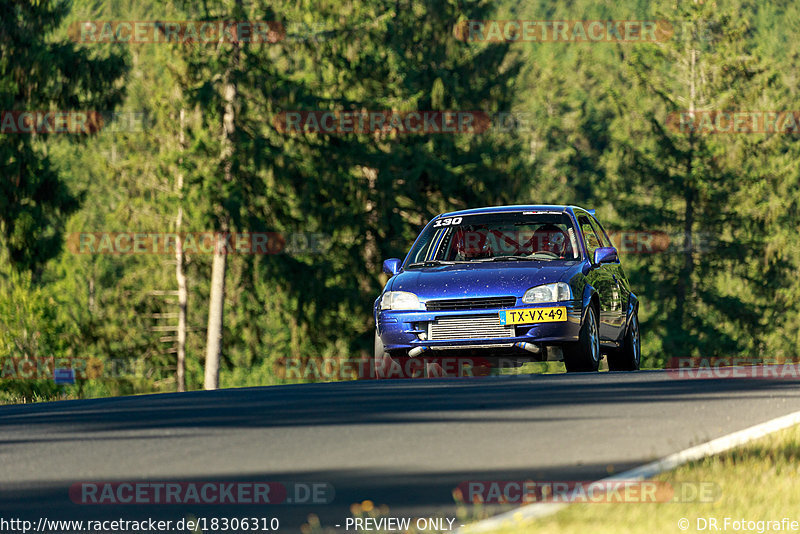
[[551, 238]]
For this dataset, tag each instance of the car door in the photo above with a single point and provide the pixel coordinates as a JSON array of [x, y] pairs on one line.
[[620, 290], [602, 278]]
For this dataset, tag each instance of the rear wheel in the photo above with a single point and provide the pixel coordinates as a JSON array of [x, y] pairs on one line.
[[585, 354], [627, 357]]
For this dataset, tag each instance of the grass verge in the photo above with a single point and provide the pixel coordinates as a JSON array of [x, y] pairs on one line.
[[758, 482]]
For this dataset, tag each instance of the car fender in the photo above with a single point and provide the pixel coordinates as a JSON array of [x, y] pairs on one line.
[[377, 303], [633, 305], [588, 292], [375, 310]]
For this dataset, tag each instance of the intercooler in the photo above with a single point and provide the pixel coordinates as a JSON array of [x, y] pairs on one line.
[[468, 327]]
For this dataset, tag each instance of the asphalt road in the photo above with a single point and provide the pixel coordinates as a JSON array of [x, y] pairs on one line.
[[405, 444]]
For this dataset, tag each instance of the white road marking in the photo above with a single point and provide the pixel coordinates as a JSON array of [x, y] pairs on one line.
[[710, 448]]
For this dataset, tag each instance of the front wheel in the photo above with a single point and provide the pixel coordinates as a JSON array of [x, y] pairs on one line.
[[585, 354], [627, 357], [396, 366]]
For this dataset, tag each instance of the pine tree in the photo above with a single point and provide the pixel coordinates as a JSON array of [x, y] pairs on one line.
[[702, 297], [38, 73]]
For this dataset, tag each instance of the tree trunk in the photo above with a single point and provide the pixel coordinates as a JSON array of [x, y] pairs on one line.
[[180, 276], [215, 312], [219, 264]]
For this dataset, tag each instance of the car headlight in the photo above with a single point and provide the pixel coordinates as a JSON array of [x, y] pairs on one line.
[[557, 292], [399, 300]]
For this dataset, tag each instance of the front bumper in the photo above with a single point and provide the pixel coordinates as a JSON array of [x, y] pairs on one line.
[[405, 330]]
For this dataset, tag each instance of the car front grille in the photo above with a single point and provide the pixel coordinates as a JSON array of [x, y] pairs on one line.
[[471, 304], [468, 327]]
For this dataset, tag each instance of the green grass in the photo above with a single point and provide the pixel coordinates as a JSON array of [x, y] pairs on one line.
[[535, 368], [759, 481], [30, 391]]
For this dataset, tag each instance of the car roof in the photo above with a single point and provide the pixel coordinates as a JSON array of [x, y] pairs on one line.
[[513, 208]]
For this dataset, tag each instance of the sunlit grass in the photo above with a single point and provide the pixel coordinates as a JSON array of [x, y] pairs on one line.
[[533, 368], [760, 481]]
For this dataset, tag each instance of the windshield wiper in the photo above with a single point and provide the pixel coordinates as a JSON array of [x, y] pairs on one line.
[[516, 258], [430, 263]]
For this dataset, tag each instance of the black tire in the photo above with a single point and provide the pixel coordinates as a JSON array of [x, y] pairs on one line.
[[628, 357], [388, 365], [584, 356], [381, 359]]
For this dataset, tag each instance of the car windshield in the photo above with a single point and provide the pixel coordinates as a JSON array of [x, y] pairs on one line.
[[512, 236]]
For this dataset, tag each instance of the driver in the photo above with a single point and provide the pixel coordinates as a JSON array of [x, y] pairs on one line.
[[471, 244], [550, 238]]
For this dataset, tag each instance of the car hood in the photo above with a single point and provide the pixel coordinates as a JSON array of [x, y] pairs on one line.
[[481, 279]]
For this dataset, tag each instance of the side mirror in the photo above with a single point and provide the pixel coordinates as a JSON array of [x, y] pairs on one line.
[[392, 266], [605, 255]]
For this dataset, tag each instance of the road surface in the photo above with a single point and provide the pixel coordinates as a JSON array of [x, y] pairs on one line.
[[406, 444]]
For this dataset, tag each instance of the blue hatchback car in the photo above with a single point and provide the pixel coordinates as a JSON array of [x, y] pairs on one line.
[[507, 285]]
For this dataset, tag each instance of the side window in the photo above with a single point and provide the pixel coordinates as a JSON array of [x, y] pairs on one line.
[[601, 233], [592, 241]]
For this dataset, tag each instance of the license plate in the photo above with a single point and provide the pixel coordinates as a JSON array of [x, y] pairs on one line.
[[534, 315]]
